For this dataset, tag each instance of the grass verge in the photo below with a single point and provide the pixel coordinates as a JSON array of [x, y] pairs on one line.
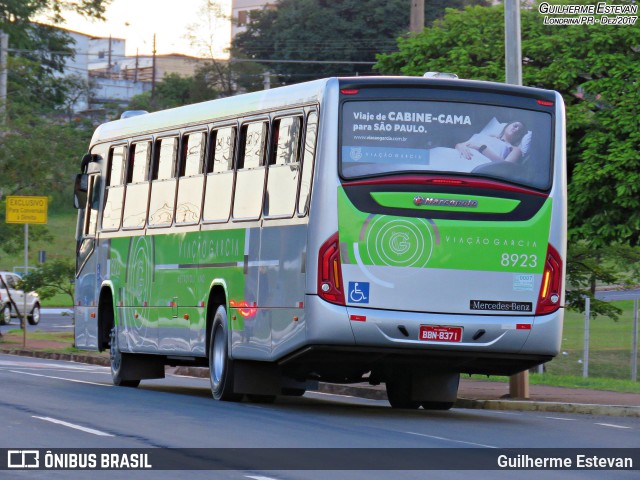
[[568, 381], [52, 342]]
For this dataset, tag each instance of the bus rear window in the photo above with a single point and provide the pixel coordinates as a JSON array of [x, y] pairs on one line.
[[390, 137]]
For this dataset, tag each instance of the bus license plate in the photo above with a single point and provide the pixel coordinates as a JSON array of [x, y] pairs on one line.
[[440, 334]]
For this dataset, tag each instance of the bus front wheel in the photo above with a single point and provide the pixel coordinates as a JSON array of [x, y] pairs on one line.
[[120, 362], [220, 362]]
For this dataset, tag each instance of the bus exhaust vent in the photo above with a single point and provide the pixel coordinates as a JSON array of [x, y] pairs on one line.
[[132, 113], [440, 75]]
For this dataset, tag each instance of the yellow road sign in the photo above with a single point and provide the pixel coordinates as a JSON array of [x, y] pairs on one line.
[[31, 210]]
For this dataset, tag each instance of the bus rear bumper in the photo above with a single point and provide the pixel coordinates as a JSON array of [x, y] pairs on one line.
[[487, 344], [537, 335]]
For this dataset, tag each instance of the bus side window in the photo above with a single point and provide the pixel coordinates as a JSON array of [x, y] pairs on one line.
[[222, 142], [308, 160], [284, 168], [139, 159], [93, 196], [193, 154], [219, 190], [114, 192], [163, 183], [191, 182], [137, 197], [247, 202], [165, 160]]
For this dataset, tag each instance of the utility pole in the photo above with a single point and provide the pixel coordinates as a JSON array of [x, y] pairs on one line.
[[416, 22], [518, 383], [634, 345], [587, 337], [512, 50], [266, 80], [109, 65], [135, 72], [153, 71], [4, 53]]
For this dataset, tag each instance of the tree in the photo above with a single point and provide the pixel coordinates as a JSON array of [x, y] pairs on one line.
[[50, 279], [324, 31], [39, 147], [44, 46], [174, 91], [596, 68], [338, 30], [217, 73], [613, 265]]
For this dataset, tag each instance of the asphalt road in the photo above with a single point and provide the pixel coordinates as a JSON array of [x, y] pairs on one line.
[[51, 320], [612, 295], [57, 404]]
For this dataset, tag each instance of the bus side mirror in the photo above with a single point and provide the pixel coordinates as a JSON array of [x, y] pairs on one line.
[[87, 159], [80, 190]]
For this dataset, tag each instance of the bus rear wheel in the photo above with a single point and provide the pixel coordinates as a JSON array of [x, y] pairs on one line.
[[399, 391], [220, 362], [437, 405]]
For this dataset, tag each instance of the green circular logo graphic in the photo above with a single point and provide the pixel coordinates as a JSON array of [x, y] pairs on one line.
[[140, 274], [399, 242]]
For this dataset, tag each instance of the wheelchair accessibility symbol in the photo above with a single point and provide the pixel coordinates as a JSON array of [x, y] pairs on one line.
[[359, 292]]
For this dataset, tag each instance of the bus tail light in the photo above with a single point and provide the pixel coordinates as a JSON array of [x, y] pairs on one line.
[[551, 288], [330, 287]]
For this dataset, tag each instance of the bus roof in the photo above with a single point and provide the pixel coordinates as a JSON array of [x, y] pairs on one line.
[[282, 97], [212, 110]]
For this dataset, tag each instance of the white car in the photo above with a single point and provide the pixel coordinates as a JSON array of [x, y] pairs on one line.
[[8, 311]]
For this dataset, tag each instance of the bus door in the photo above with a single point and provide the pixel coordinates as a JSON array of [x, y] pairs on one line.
[[87, 268]]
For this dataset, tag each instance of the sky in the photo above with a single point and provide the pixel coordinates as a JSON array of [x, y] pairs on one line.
[[137, 20]]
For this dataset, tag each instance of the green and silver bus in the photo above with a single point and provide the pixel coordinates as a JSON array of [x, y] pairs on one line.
[[384, 230]]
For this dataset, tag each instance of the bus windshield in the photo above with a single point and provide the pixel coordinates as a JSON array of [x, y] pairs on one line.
[[388, 137]]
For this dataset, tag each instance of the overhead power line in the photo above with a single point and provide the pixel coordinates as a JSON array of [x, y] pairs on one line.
[[331, 62]]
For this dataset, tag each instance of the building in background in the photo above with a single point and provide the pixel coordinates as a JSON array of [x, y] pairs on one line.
[[111, 77], [241, 13]]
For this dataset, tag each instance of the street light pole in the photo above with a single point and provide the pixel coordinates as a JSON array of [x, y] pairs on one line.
[[4, 53], [518, 383], [416, 21], [513, 49]]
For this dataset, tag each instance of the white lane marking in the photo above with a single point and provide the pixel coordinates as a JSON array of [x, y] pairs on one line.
[[331, 394], [73, 425], [611, 425], [61, 378], [10, 363], [560, 418], [451, 440], [258, 477]]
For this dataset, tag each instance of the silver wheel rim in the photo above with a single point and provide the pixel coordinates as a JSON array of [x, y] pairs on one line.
[[6, 313], [35, 315], [114, 353], [218, 357]]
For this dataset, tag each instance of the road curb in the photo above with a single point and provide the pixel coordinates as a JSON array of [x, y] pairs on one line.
[[70, 357], [556, 407], [373, 393]]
